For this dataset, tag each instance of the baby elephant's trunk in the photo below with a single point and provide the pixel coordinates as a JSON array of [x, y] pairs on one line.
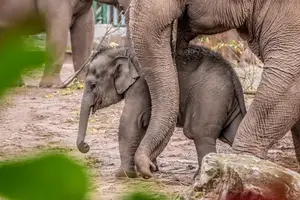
[[86, 105]]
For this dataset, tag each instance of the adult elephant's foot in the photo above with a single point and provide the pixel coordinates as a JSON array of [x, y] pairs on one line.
[[126, 172], [245, 143], [241, 148], [50, 81], [144, 165]]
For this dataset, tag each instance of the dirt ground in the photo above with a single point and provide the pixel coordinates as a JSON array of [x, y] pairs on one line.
[[33, 119]]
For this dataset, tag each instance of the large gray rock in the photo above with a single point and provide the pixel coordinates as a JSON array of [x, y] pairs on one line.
[[244, 177]]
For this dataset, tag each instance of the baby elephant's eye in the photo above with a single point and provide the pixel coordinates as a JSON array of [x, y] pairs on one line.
[[92, 86]]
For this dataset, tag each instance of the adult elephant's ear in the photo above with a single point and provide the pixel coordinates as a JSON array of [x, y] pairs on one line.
[[150, 28], [125, 73]]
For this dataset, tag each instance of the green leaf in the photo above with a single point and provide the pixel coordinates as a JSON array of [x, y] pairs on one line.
[[47, 177], [17, 56], [144, 196]]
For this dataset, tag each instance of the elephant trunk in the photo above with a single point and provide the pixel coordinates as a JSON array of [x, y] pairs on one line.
[[86, 105], [152, 41]]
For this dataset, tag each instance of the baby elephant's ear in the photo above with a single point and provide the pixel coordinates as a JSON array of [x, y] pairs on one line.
[[125, 73]]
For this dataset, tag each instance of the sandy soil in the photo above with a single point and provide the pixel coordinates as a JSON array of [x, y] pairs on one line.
[[34, 119]]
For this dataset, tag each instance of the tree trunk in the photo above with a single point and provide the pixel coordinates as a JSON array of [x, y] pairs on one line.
[[234, 177]]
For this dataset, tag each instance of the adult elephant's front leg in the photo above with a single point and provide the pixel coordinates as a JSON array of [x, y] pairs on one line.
[[274, 110], [151, 38], [82, 35], [57, 26]]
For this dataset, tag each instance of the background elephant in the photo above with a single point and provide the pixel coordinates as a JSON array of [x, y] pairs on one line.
[[56, 18], [271, 29], [211, 100]]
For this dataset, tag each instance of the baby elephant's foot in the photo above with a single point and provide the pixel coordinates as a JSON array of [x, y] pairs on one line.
[[126, 172]]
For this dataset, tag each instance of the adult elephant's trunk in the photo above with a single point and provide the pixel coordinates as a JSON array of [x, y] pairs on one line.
[[86, 105], [150, 28]]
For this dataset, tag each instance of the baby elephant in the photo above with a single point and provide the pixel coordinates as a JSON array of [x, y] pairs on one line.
[[211, 100]]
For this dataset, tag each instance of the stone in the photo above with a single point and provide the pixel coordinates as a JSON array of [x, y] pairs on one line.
[[244, 177]]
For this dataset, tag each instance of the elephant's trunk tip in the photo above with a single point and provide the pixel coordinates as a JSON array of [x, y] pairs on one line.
[[83, 147]]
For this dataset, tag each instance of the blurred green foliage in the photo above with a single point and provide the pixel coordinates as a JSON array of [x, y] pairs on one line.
[[17, 56], [145, 196], [48, 177], [45, 177], [51, 176]]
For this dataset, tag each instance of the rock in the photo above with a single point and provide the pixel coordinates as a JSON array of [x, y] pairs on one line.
[[244, 177]]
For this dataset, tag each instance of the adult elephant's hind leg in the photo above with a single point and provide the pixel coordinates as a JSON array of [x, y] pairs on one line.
[[58, 22], [272, 113], [82, 35], [296, 139]]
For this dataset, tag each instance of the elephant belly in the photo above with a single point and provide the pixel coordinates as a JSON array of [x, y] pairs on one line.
[[81, 6], [12, 11]]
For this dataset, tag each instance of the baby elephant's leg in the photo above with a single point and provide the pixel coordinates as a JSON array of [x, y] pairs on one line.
[[133, 125], [128, 142], [204, 146], [204, 128], [131, 132]]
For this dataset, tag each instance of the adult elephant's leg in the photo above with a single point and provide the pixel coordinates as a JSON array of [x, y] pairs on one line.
[[57, 20], [128, 42], [151, 37], [82, 35], [296, 139], [274, 110]]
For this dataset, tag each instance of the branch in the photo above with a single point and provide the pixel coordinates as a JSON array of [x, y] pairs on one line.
[[93, 55]]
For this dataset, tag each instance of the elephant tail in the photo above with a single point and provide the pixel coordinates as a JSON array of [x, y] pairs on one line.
[[239, 93]]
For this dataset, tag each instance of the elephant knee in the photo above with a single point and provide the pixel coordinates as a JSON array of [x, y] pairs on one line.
[[205, 141], [201, 131], [188, 132]]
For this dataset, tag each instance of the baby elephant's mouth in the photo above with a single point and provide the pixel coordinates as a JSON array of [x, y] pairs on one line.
[[97, 105]]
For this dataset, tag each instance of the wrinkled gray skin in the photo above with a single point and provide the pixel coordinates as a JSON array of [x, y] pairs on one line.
[[271, 28], [56, 18], [211, 100]]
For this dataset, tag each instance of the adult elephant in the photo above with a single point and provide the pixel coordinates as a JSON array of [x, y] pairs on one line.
[[56, 18], [271, 28]]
